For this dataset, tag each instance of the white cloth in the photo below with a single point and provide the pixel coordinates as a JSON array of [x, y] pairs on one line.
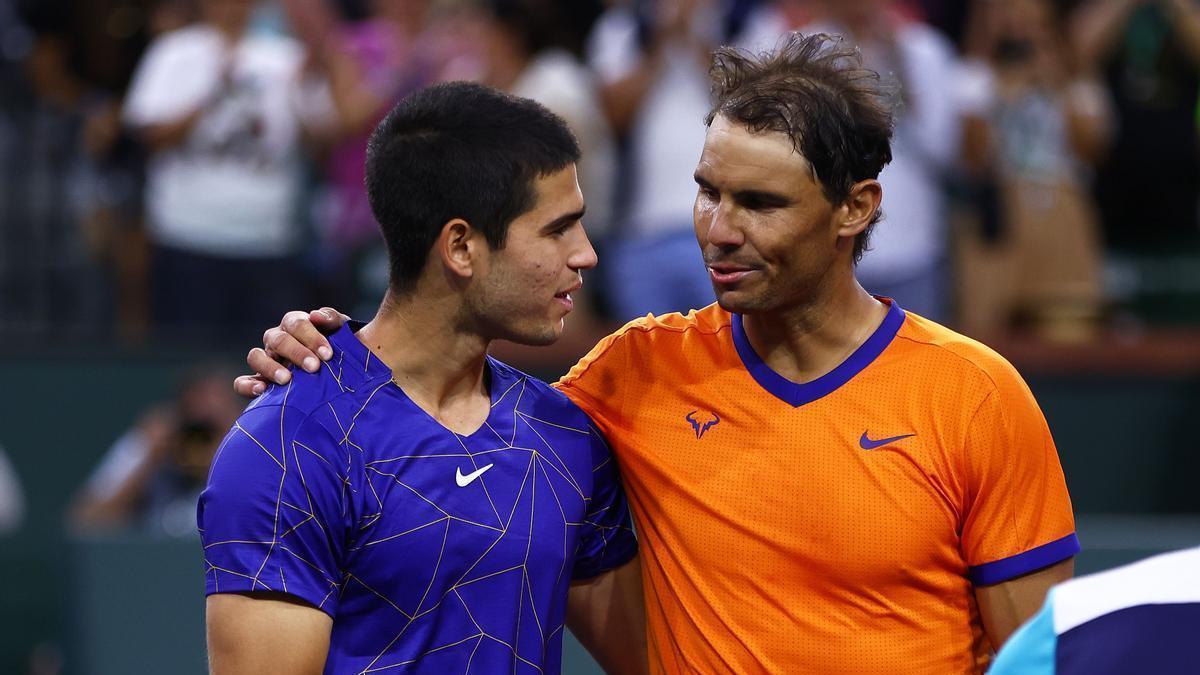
[[1170, 578], [231, 188], [558, 81], [668, 130], [912, 237]]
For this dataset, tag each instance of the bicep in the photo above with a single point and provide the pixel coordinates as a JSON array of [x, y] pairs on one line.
[[1003, 607], [265, 632]]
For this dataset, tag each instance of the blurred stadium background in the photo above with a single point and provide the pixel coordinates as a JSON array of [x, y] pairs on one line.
[[1045, 198]]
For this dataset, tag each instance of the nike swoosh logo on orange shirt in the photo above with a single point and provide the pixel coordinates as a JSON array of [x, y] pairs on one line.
[[868, 444]]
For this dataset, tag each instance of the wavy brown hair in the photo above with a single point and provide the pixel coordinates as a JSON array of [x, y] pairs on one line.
[[814, 88]]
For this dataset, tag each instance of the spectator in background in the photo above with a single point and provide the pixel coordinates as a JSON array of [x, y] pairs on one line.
[[1032, 125], [370, 62], [153, 474], [222, 113], [115, 36], [1149, 54], [49, 280], [908, 250], [72, 259], [524, 59], [652, 62]]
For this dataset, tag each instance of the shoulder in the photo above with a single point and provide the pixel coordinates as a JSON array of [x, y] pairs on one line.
[[651, 328], [184, 44], [308, 420], [309, 392], [653, 338], [344, 383], [950, 355], [536, 397]]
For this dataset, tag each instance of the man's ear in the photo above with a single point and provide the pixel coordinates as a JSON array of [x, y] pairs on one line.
[[859, 208], [459, 248]]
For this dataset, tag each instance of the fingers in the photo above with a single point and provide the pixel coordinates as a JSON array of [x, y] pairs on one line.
[[297, 339], [328, 319], [268, 366], [249, 386]]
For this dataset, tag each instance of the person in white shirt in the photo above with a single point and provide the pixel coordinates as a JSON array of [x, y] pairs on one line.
[[222, 111]]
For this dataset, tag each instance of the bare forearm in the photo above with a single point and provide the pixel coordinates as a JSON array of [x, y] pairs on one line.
[[167, 135], [117, 507], [1096, 28], [1184, 18], [608, 616], [1005, 606], [1088, 126], [356, 105], [623, 98], [976, 144]]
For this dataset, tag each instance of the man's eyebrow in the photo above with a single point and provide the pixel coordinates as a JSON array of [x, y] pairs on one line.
[[564, 219], [761, 197]]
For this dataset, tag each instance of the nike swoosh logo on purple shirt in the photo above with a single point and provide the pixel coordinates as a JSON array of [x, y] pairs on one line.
[[868, 444]]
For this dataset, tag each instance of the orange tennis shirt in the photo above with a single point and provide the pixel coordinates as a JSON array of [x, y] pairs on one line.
[[836, 526]]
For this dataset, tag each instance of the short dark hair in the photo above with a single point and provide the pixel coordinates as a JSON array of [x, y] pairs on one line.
[[815, 89], [458, 150]]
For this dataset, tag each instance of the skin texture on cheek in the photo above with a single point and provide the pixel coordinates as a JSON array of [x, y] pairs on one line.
[[517, 297]]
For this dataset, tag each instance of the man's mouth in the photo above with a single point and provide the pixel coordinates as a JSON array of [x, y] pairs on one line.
[[565, 296], [726, 273]]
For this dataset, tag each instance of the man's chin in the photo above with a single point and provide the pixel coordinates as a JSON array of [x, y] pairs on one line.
[[737, 303], [537, 337]]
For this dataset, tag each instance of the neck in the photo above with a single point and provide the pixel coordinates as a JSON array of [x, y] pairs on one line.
[[808, 340], [438, 362]]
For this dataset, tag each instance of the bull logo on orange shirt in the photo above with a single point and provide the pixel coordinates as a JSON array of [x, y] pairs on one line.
[[702, 426]]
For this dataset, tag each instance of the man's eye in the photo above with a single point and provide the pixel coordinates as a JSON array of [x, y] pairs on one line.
[[757, 204]]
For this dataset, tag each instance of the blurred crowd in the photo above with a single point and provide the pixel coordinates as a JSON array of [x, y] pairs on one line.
[[189, 169]]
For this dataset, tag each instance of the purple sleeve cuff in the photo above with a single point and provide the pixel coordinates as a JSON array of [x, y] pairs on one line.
[[1023, 563]]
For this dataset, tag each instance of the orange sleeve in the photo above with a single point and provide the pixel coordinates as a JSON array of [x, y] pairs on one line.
[[1017, 516]]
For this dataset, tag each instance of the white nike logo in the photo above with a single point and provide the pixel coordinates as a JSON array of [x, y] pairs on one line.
[[464, 481]]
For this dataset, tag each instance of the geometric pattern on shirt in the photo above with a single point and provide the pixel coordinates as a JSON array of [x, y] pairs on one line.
[[523, 440]]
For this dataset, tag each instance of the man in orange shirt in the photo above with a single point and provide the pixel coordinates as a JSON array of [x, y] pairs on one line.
[[822, 482]]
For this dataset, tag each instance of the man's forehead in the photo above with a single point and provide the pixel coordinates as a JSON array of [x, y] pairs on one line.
[[730, 143], [555, 189]]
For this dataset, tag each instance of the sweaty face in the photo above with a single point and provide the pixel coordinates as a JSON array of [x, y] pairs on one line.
[[526, 286], [766, 230]]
